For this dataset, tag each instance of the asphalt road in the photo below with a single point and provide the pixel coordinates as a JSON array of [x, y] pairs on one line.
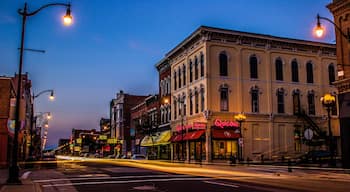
[[99, 175]]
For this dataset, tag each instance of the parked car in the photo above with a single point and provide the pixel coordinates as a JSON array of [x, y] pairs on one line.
[[138, 157]]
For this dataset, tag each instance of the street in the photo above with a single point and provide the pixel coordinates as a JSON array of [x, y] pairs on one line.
[[127, 175]]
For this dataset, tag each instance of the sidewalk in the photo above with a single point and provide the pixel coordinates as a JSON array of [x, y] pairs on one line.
[[26, 186]]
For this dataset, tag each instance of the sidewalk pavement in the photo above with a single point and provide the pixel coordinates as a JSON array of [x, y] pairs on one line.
[[26, 186]]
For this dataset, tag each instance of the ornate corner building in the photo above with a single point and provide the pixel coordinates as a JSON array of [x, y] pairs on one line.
[[276, 82]]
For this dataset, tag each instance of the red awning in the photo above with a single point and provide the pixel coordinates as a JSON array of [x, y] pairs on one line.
[[224, 134], [194, 135], [176, 138]]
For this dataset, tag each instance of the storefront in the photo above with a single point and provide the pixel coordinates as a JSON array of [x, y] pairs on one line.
[[157, 145], [224, 143]]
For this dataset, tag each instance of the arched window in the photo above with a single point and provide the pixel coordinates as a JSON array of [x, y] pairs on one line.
[[253, 62], [202, 99], [331, 74], [191, 103], [254, 92], [191, 76], [311, 102], [184, 74], [202, 64], [295, 72], [280, 100], [223, 64], [196, 68], [175, 80], [224, 98], [175, 109], [279, 69], [196, 101], [309, 73], [296, 102], [179, 71]]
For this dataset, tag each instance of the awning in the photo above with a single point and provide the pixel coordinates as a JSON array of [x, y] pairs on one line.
[[159, 138], [194, 135], [225, 134], [176, 138]]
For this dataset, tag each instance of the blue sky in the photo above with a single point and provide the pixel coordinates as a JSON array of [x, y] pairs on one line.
[[114, 44]]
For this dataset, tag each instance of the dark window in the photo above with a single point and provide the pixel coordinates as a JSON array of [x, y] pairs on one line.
[[295, 72], [191, 104], [309, 73], [180, 107], [311, 103], [296, 103], [196, 68], [175, 80], [224, 99], [223, 64], [179, 77], [202, 99], [279, 70], [331, 74], [191, 77], [196, 100], [184, 74], [202, 64], [255, 100], [280, 101], [253, 67], [175, 109]]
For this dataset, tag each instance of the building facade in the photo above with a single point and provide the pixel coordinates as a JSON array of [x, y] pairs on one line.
[[120, 121], [341, 10], [276, 82]]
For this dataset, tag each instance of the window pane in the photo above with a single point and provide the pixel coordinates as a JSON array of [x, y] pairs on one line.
[[253, 67], [255, 101], [223, 64], [331, 74], [280, 102], [202, 65], [295, 72], [309, 72], [311, 104], [279, 70], [224, 99]]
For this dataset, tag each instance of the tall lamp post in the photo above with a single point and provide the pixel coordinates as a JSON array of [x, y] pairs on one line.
[[328, 101], [33, 119], [240, 118], [13, 169], [181, 100]]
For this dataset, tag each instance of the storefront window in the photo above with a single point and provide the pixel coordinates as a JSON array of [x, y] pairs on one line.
[[223, 149]]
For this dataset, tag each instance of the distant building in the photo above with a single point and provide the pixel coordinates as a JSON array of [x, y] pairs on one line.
[[276, 82], [85, 141], [120, 121]]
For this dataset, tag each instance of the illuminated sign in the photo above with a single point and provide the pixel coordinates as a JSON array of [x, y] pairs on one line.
[[225, 123], [103, 137], [195, 125]]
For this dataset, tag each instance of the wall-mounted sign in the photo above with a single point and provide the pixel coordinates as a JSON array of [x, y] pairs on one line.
[[78, 141], [225, 123], [195, 125], [103, 137]]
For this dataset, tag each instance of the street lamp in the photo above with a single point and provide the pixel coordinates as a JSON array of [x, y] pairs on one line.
[[319, 29], [51, 97], [181, 100], [13, 169], [328, 101], [240, 118]]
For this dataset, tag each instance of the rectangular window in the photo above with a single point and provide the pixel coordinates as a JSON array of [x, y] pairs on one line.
[[280, 102], [311, 104], [224, 99], [196, 98], [255, 101], [202, 100]]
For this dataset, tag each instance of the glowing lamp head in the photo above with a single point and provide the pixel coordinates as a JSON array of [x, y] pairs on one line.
[[68, 19], [319, 30], [46, 125], [52, 97], [49, 116]]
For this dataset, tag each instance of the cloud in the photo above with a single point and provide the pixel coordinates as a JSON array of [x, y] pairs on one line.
[[6, 19]]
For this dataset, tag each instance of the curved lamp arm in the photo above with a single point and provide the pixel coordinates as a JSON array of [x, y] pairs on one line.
[[45, 91], [25, 13], [335, 25]]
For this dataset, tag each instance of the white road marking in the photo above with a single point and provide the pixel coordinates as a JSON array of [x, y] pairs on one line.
[[222, 184], [98, 178], [25, 175], [128, 181]]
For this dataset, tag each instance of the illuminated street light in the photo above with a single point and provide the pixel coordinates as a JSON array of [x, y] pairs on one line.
[[68, 19], [240, 118], [13, 177], [320, 30], [328, 101]]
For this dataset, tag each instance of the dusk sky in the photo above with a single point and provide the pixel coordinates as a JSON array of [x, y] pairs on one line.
[[114, 45]]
